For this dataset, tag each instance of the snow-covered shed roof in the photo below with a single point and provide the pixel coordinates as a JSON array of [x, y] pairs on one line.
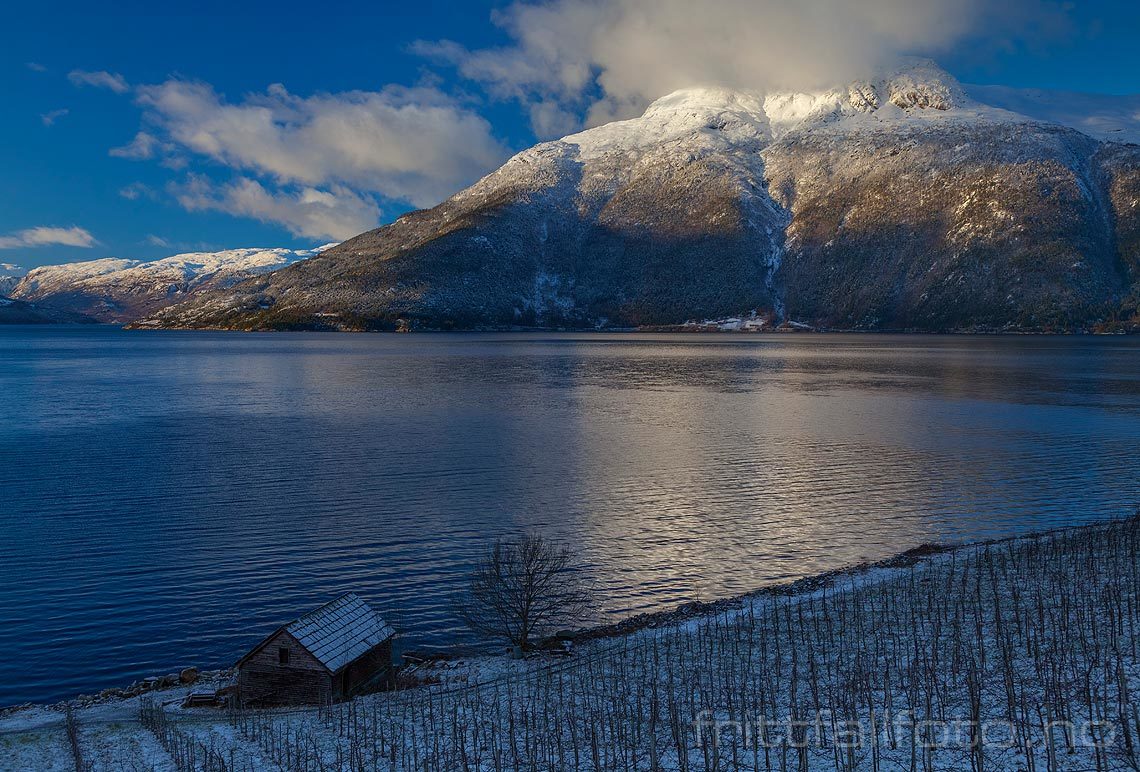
[[341, 631], [337, 633]]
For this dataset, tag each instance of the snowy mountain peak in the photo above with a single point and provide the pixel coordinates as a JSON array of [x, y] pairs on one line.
[[911, 89], [737, 115], [913, 84], [919, 84], [702, 101]]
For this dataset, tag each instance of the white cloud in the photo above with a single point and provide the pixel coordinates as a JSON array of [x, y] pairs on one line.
[[50, 118], [10, 268], [409, 144], [35, 67], [112, 81], [338, 213], [156, 241], [549, 119], [610, 57], [43, 236], [136, 190], [142, 147]]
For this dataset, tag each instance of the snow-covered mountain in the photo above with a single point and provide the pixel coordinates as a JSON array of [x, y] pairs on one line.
[[10, 276], [904, 201], [118, 290]]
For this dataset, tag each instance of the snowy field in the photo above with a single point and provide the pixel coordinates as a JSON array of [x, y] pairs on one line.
[[1015, 655]]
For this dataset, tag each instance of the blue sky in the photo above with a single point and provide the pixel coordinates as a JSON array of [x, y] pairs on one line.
[[140, 133]]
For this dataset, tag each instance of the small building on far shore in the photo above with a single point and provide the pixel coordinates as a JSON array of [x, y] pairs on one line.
[[342, 649]]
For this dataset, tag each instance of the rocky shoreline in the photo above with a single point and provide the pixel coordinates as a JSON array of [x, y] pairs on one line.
[[187, 676]]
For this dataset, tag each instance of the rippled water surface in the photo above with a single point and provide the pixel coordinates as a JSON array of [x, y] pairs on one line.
[[168, 498]]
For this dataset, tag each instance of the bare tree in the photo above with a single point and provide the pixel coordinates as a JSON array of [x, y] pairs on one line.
[[524, 587]]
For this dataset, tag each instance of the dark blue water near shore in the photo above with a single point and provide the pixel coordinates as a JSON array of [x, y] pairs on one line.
[[167, 498]]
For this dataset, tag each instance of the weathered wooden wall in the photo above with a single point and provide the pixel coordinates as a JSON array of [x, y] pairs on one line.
[[262, 680], [365, 668]]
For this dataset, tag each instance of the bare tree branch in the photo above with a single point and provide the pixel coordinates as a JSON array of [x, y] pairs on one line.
[[524, 587]]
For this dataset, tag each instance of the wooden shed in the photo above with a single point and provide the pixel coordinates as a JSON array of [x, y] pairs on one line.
[[330, 654]]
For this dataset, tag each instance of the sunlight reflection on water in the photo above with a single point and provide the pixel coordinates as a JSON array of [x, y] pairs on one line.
[[170, 497]]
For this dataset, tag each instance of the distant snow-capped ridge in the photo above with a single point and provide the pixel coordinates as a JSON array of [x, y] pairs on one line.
[[10, 276], [189, 268], [117, 290], [1105, 117]]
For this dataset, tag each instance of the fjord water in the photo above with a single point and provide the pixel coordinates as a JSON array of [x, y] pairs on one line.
[[168, 498]]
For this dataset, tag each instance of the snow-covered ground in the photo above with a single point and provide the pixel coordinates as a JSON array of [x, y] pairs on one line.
[[1007, 656]]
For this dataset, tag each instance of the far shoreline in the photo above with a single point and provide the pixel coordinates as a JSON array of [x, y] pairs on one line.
[[648, 330]]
